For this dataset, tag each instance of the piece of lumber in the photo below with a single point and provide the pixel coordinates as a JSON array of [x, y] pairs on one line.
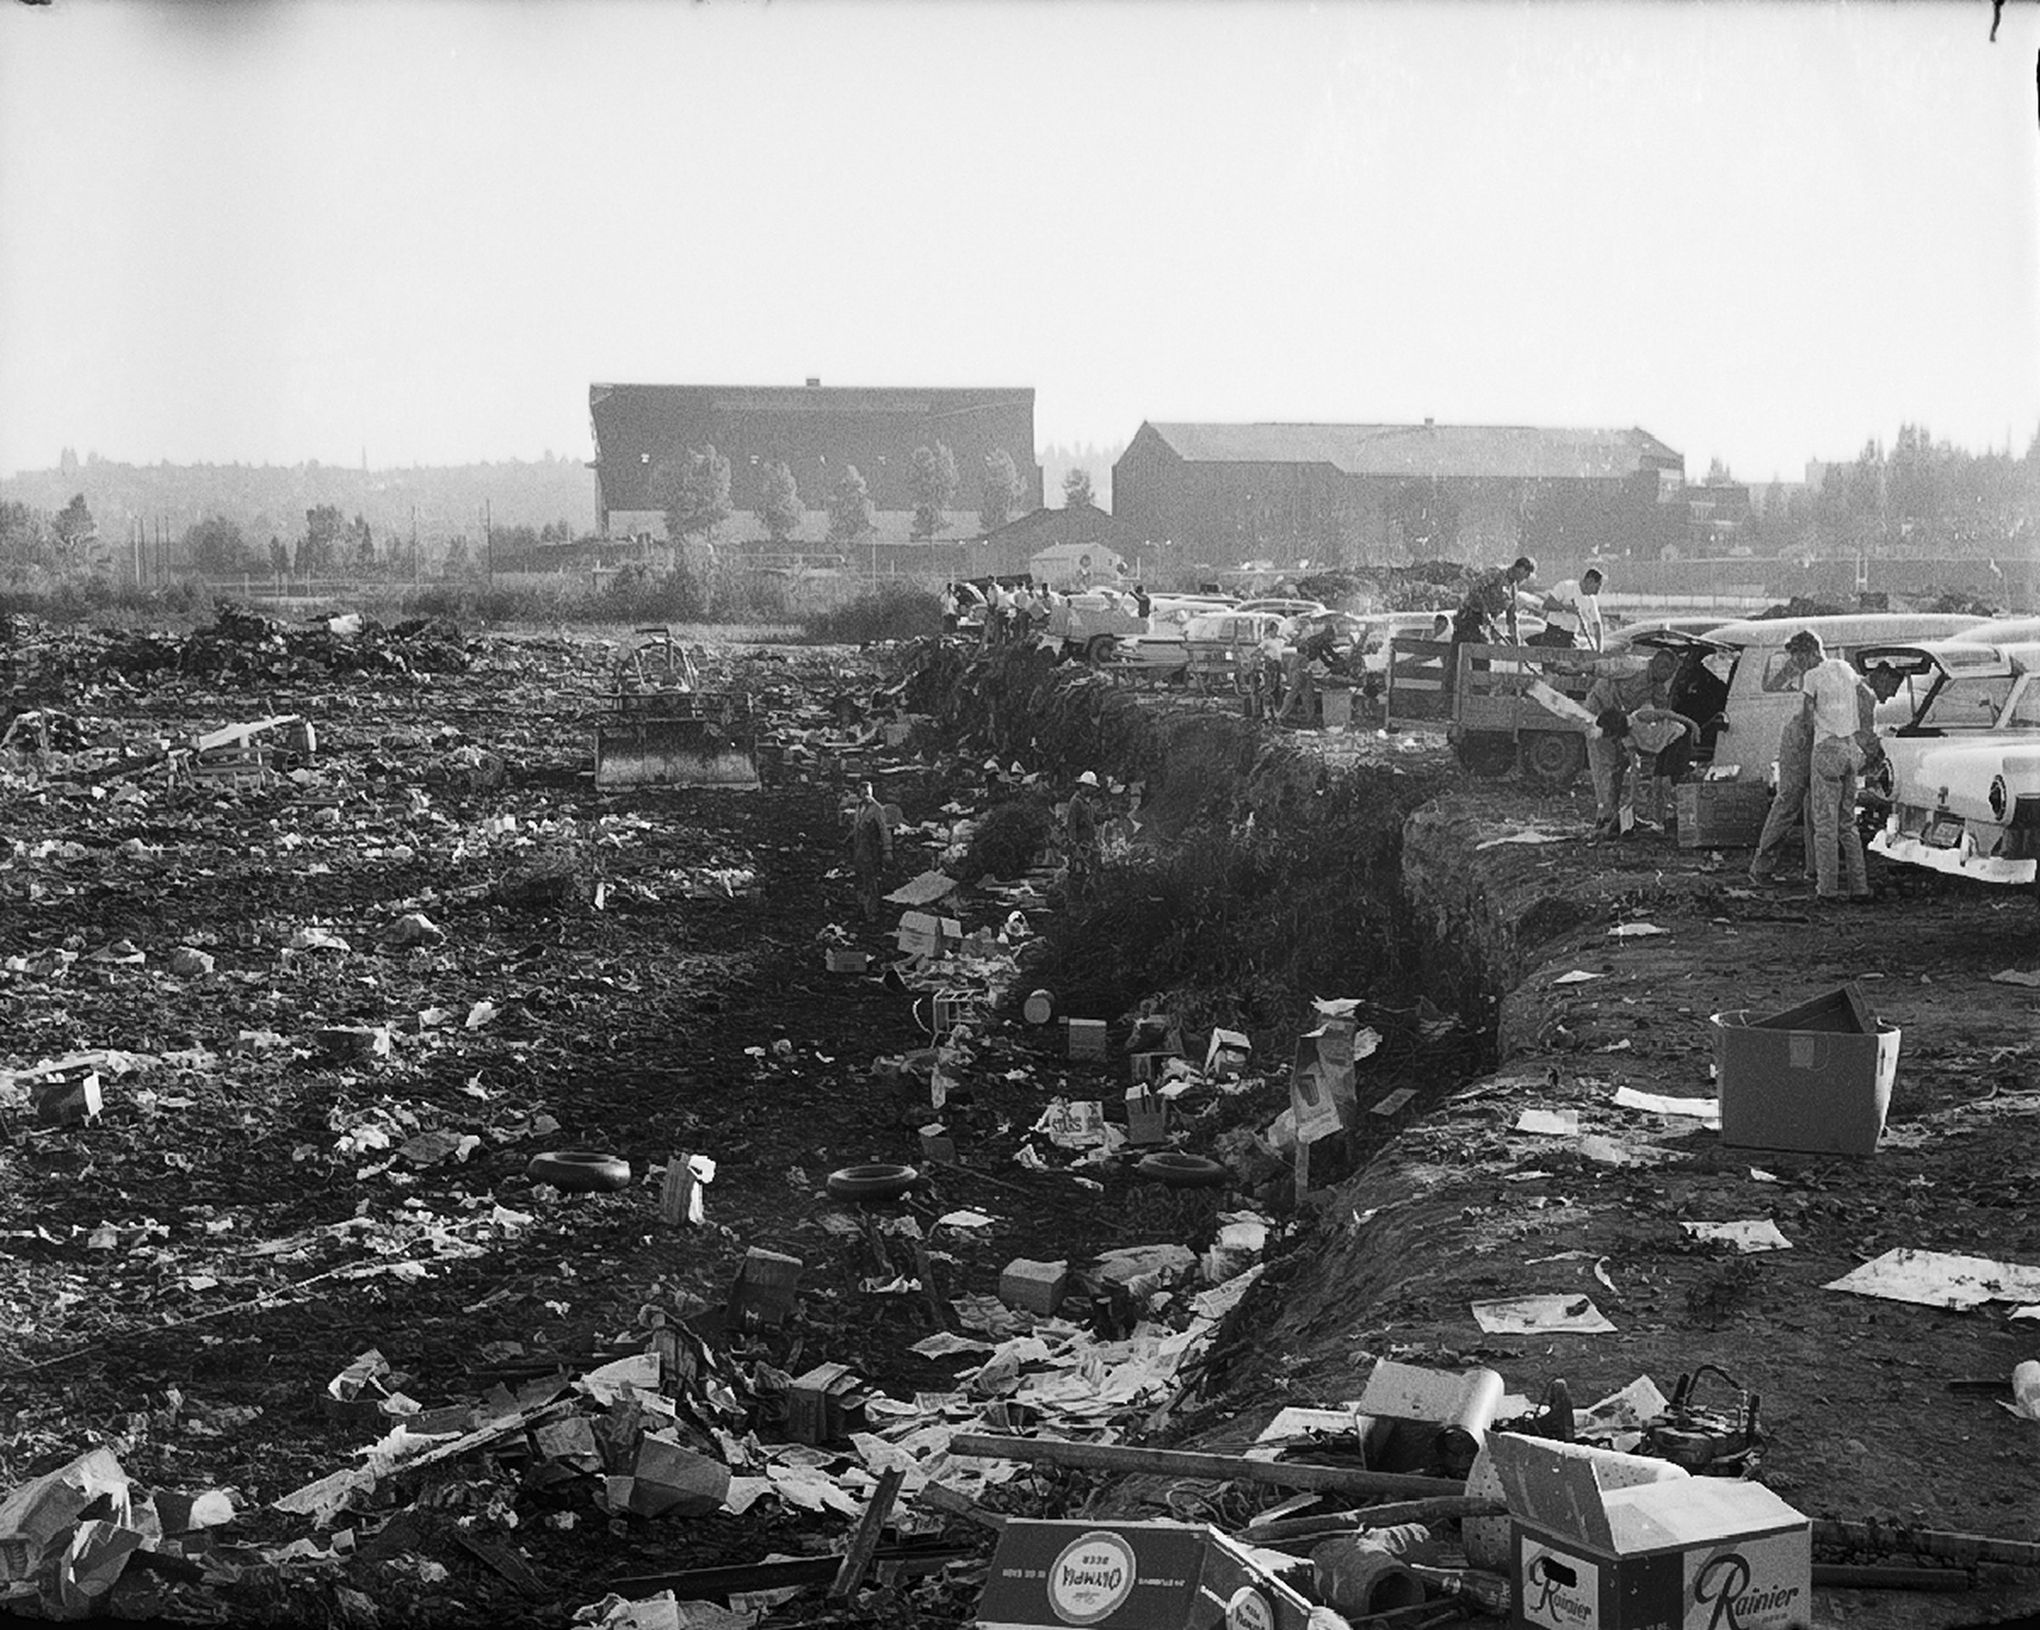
[[1116, 1457], [504, 1560], [1846, 1576], [1443, 1508], [1890, 1538], [940, 1497], [717, 1582], [864, 1540]]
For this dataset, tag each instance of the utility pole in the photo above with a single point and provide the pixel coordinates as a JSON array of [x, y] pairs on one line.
[[489, 532]]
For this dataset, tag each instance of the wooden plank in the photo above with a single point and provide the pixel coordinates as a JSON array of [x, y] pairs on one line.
[[1113, 1457], [504, 1560], [864, 1541], [716, 1583]]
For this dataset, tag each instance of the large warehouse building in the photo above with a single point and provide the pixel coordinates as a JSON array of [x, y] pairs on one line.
[[1386, 493], [816, 430]]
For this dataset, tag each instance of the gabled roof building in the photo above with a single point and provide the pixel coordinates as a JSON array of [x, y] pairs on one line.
[[1382, 493]]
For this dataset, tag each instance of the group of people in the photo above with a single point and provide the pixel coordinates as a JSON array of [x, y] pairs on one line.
[[1017, 612], [1489, 613], [1646, 730]]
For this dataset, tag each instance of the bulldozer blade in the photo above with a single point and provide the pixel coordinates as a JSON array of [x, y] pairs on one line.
[[671, 753]]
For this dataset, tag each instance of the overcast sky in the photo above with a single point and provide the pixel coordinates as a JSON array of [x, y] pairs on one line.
[[298, 229]]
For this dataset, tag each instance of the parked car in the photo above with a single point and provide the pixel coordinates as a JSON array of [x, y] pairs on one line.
[[1092, 622], [1748, 740], [1378, 630], [1164, 647], [1961, 776], [1221, 645], [1628, 633], [2002, 631]]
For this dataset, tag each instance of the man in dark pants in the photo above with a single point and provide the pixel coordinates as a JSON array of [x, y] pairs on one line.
[[1699, 694], [870, 850], [1487, 616]]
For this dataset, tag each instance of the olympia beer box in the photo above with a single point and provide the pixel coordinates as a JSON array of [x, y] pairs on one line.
[[1816, 1077], [1689, 1553], [1131, 1576]]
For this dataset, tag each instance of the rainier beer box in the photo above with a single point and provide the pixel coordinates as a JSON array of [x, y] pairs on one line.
[[1131, 1576], [1691, 1553]]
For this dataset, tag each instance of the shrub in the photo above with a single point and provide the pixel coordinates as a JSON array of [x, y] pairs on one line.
[[895, 611], [1009, 837]]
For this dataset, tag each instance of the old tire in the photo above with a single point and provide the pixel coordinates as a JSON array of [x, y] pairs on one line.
[[1101, 648], [581, 1169], [1553, 759], [1486, 753], [1180, 1171], [874, 1182]]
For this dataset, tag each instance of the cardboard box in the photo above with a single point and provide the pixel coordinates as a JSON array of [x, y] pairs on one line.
[[1821, 1090], [1721, 814], [764, 1290], [1086, 1038], [1689, 1553], [67, 1097], [1842, 1010], [1131, 1576], [668, 1478], [849, 962], [922, 933], [825, 1405], [1147, 1116], [1034, 1287], [1227, 1054]]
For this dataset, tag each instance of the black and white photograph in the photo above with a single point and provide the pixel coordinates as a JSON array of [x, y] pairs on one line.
[[1019, 814]]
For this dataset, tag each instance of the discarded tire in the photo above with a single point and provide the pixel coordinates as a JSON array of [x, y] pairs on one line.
[[1183, 1171], [876, 1182], [579, 1169]]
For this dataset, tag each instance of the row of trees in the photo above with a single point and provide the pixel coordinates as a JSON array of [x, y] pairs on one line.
[[69, 543], [693, 489], [65, 542]]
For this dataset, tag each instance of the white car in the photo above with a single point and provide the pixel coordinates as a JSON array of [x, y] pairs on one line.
[[1962, 774], [1164, 648]]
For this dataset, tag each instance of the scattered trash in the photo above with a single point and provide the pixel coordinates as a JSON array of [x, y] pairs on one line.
[[1630, 931], [1705, 1110], [1541, 1315], [1759, 1235], [1941, 1279]]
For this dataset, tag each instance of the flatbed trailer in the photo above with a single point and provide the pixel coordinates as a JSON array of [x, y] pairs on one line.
[[1502, 707]]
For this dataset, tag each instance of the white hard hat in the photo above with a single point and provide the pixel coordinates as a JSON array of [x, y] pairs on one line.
[[1088, 779]]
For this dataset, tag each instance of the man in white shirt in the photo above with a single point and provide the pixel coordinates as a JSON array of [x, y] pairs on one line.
[[1839, 702], [1572, 612]]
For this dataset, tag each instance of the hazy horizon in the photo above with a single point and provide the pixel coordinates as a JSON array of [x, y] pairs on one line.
[[249, 231]]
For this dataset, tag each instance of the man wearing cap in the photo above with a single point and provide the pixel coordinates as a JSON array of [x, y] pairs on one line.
[[1620, 703], [1839, 704]]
